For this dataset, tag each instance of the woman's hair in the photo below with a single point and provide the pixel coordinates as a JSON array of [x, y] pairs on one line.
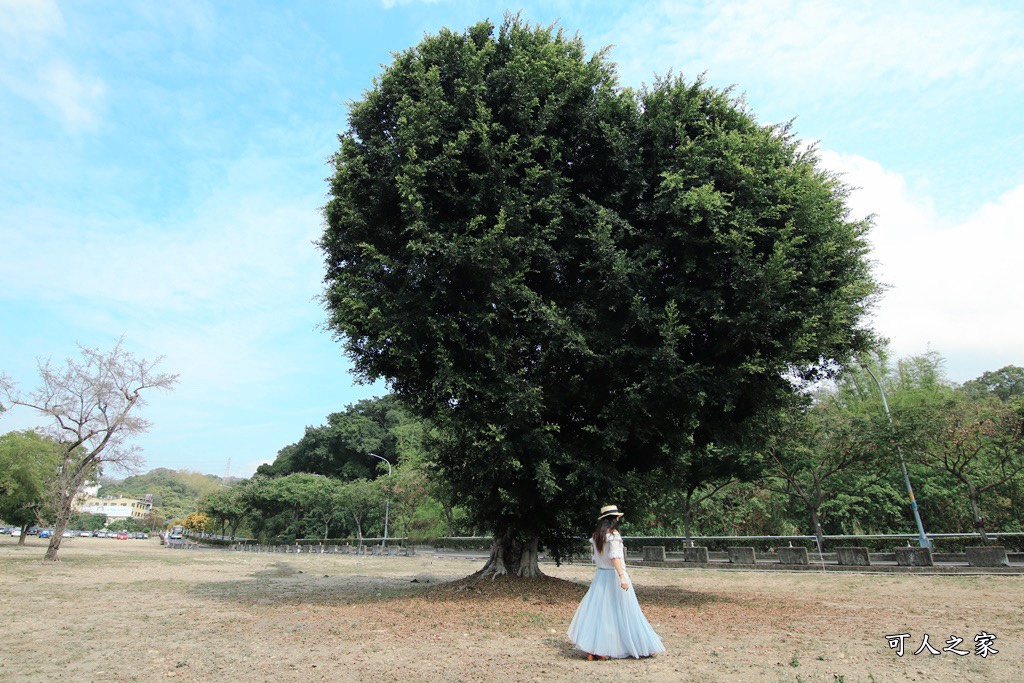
[[604, 527]]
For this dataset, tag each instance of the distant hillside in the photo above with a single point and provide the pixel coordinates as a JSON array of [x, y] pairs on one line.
[[175, 492]]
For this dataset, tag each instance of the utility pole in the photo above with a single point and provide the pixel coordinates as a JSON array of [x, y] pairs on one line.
[[922, 539]]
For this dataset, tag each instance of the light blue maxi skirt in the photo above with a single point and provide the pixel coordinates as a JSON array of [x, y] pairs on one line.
[[610, 623]]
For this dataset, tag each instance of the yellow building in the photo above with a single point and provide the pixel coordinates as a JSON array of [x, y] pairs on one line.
[[117, 508]]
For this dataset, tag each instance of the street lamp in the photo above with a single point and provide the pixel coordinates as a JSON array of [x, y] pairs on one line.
[[922, 539], [387, 502]]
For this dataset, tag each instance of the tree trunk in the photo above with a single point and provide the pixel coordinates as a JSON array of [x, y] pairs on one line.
[[359, 530], [21, 539], [510, 555], [818, 531], [687, 517], [979, 522], [449, 518], [69, 488], [64, 510]]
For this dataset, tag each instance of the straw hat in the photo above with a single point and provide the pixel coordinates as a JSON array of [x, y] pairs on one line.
[[610, 511]]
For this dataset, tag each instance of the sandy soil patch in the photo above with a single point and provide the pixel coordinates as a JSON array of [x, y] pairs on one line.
[[134, 611]]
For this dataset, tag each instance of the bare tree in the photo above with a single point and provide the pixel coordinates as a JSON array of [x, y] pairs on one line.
[[93, 405]]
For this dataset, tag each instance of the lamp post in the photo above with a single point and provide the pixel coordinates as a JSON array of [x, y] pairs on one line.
[[923, 540], [387, 502]]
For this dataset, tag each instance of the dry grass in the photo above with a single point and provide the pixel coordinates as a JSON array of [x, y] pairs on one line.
[[133, 611]]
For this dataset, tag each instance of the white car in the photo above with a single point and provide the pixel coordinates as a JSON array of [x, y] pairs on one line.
[[15, 531]]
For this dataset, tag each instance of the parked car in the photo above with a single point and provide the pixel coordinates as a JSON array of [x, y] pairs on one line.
[[123, 536], [45, 533], [85, 534], [16, 532], [68, 533]]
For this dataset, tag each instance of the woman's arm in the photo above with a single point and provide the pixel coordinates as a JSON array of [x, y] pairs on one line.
[[620, 569]]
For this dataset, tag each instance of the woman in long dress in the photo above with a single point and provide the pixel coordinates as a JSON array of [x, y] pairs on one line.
[[609, 621]]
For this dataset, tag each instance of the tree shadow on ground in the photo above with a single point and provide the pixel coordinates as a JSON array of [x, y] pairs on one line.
[[283, 584]]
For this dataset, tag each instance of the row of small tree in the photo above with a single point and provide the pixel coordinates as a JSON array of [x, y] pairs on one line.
[[341, 479], [830, 465], [314, 506], [832, 462]]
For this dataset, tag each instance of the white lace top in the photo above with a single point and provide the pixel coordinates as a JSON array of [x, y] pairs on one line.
[[612, 548]]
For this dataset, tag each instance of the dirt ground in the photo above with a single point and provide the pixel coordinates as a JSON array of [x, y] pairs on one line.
[[135, 611]]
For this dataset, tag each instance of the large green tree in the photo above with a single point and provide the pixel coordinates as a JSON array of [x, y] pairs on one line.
[[698, 476], [88, 521], [575, 282], [228, 506], [357, 501], [818, 449], [339, 448], [294, 506], [1005, 383], [28, 465]]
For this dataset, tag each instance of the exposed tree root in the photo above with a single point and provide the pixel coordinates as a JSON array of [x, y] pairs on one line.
[[510, 557]]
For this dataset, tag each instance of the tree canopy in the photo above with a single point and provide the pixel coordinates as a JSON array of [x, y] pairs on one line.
[[28, 465], [1005, 383], [576, 282], [340, 448]]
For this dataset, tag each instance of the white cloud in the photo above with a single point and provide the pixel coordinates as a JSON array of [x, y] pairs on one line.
[[240, 251], [25, 24], [75, 97], [955, 286], [389, 4], [30, 37], [820, 48], [249, 468], [225, 295], [216, 290], [60, 91]]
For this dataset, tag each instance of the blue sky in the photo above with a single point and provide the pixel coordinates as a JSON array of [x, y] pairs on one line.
[[162, 167]]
